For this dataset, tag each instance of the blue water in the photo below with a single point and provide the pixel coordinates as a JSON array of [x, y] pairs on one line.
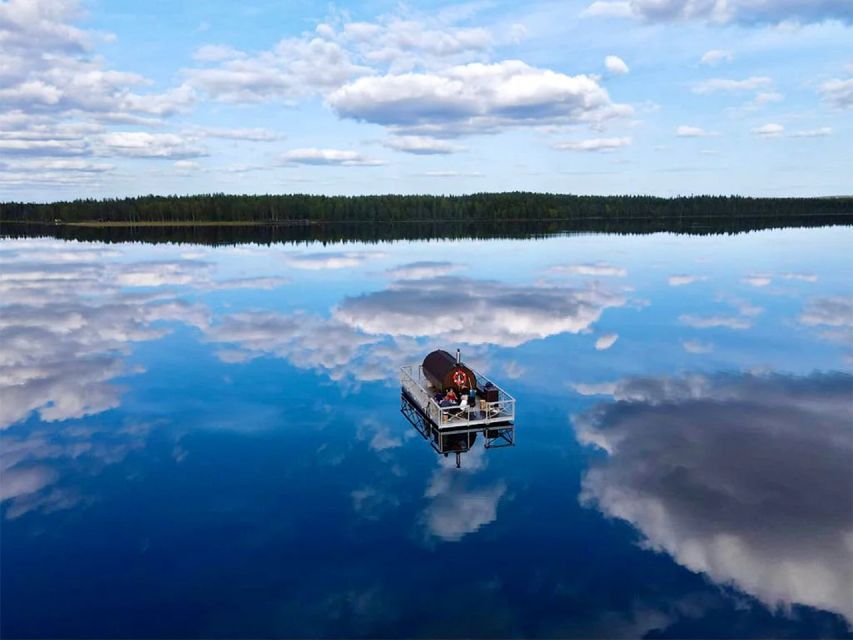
[[203, 441]]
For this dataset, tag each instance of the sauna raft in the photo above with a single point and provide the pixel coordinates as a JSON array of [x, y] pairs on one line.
[[453, 428]]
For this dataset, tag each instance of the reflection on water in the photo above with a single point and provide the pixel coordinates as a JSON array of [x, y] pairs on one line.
[[746, 478], [162, 403]]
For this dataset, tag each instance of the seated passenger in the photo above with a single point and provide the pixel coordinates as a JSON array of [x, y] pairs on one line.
[[451, 396]]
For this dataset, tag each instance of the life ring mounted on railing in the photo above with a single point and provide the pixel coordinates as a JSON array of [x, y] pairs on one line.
[[460, 379]]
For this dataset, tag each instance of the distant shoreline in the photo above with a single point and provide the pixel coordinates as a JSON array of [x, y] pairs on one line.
[[121, 224]]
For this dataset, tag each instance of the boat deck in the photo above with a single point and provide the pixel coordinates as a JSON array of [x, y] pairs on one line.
[[420, 392]]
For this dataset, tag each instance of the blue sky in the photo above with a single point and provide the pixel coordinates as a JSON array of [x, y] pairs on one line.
[[640, 96]]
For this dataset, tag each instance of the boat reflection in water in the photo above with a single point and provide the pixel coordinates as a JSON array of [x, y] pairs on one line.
[[450, 404]]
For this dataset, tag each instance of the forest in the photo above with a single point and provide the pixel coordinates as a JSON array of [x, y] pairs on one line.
[[480, 208]]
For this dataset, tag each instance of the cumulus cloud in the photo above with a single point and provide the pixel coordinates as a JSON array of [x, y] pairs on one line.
[[606, 341], [333, 157], [593, 144], [255, 134], [838, 93], [727, 11], [709, 322], [616, 65], [769, 130], [476, 311], [687, 131], [422, 269], [683, 279], [294, 68], [56, 95], [608, 9], [590, 269], [474, 98], [751, 482], [758, 279], [332, 259], [820, 132], [695, 346], [421, 145], [62, 345], [727, 85], [456, 508], [319, 61], [716, 56], [834, 315], [803, 277], [141, 144]]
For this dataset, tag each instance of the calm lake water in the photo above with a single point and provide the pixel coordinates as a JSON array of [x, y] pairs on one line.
[[202, 441]]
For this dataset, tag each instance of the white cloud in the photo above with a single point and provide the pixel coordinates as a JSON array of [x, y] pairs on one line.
[[820, 132], [744, 488], [727, 11], [687, 131], [335, 157], [769, 130], [54, 164], [681, 280], [294, 68], [708, 322], [838, 93], [590, 269], [836, 313], [474, 98], [606, 341], [716, 56], [332, 259], [255, 134], [803, 277], [608, 9], [593, 144], [455, 508], [421, 270], [421, 145], [62, 345], [141, 144], [763, 98], [695, 346], [48, 69], [726, 85], [616, 65], [758, 279], [476, 311]]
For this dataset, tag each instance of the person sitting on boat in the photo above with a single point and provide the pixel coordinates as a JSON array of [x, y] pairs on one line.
[[449, 399]]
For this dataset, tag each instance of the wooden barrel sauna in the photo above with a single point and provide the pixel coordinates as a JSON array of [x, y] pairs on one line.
[[445, 372]]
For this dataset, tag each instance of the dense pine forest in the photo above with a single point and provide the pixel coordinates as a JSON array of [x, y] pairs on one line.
[[485, 207]]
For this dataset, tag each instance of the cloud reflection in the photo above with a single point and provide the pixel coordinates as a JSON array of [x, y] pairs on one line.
[[456, 509], [474, 311], [745, 478]]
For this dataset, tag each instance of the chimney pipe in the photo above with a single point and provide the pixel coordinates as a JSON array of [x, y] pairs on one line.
[[458, 356]]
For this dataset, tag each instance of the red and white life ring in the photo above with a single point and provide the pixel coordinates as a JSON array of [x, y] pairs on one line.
[[459, 378]]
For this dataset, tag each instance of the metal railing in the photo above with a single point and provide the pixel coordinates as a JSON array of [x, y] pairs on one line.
[[415, 383]]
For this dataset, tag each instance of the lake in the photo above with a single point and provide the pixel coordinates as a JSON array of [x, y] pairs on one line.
[[207, 441]]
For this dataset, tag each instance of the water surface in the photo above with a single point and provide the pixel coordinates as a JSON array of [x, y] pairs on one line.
[[207, 441]]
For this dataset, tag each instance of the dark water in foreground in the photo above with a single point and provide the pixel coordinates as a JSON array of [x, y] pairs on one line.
[[202, 441]]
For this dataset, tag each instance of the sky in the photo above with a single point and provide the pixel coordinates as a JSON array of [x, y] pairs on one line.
[[667, 97]]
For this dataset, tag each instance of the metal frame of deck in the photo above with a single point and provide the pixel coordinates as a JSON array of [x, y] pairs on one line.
[[459, 439], [416, 386]]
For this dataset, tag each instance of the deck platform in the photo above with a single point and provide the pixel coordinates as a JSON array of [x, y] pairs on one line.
[[456, 440], [483, 414]]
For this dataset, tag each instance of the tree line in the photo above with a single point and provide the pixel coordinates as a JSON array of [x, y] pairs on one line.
[[480, 207]]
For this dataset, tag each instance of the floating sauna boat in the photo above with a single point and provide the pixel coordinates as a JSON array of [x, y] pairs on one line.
[[452, 427]]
